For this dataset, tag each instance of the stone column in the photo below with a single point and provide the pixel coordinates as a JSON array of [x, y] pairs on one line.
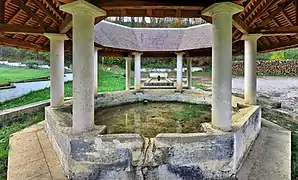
[[179, 83], [137, 57], [57, 68], [250, 68], [95, 71], [221, 14], [128, 72], [83, 15], [189, 73]]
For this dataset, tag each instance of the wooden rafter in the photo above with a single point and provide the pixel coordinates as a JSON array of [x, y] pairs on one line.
[[278, 26], [296, 9], [268, 4], [252, 9], [287, 18], [273, 14], [54, 9], [46, 11], [14, 17], [24, 8]]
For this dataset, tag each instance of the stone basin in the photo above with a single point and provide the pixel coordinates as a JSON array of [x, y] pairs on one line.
[[211, 153]]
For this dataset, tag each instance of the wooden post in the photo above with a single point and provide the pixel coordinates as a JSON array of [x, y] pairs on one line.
[[2, 11]]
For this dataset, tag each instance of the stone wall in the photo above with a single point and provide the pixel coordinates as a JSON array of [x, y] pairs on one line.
[[14, 114], [283, 67]]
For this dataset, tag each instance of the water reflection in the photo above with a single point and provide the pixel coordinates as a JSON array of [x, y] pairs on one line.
[[154, 117]]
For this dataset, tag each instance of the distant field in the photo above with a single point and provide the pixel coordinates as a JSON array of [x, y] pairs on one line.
[[12, 74]]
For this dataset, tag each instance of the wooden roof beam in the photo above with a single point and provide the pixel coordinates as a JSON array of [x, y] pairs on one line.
[[240, 25], [277, 11], [2, 11], [276, 30], [66, 25], [23, 7], [25, 29], [22, 44]]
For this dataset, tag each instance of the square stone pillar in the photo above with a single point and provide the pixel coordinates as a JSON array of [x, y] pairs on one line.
[[179, 83], [189, 73], [128, 72], [221, 14], [83, 15], [137, 57], [57, 68], [250, 68]]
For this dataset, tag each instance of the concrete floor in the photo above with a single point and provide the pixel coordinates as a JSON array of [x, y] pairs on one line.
[[31, 156], [270, 156]]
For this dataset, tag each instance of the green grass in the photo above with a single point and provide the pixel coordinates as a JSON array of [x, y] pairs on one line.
[[108, 81], [6, 131], [12, 74], [203, 87]]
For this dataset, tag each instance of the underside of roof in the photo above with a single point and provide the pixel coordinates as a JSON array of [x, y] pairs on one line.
[[23, 22], [112, 35]]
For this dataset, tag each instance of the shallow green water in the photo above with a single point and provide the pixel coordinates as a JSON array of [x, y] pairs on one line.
[[154, 117]]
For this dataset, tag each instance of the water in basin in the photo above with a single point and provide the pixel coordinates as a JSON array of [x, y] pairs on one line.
[[149, 119]]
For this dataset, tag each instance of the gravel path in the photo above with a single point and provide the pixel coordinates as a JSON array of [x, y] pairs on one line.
[[280, 89], [24, 88]]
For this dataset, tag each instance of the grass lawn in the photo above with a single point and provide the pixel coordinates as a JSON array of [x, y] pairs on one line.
[[108, 81], [5, 133], [12, 74]]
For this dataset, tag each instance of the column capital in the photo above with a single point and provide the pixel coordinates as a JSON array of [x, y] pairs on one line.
[[54, 36], [250, 36], [97, 48], [82, 7], [137, 53], [180, 53], [227, 7]]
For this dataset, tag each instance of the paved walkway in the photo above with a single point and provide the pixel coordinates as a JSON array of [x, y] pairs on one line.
[[270, 156], [31, 156], [24, 88]]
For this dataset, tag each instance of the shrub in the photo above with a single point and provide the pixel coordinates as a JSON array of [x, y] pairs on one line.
[[31, 63]]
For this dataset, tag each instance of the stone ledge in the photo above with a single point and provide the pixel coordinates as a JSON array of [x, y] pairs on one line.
[[215, 154], [13, 114]]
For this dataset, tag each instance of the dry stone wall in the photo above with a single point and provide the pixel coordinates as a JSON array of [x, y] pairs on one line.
[[283, 67]]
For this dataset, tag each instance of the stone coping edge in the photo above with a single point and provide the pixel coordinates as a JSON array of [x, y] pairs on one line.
[[13, 114]]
